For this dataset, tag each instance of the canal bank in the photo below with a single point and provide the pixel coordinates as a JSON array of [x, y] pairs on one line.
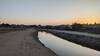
[[63, 47], [86, 41], [22, 43]]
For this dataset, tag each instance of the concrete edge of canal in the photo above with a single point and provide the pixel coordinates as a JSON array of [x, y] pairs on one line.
[[50, 52]]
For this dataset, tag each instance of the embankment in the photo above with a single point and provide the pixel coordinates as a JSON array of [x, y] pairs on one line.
[[23, 43], [86, 41]]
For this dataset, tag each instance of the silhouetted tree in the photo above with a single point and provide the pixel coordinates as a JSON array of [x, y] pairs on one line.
[[76, 26], [5, 25]]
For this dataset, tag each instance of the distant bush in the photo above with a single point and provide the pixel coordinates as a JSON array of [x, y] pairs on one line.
[[76, 26]]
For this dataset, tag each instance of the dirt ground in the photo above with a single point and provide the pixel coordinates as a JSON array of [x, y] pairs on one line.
[[22, 43]]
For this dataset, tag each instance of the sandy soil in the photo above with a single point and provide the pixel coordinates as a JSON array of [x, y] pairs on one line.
[[22, 43]]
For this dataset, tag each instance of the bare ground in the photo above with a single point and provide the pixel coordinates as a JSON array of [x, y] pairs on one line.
[[22, 43]]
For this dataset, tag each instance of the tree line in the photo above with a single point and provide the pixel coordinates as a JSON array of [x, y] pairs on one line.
[[95, 28]]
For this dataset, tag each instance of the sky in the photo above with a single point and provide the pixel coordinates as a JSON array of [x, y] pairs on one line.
[[53, 12]]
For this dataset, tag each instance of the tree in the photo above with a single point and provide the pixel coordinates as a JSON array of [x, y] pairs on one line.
[[76, 26], [5, 25]]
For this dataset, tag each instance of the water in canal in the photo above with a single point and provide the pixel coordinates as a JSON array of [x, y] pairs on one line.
[[63, 47]]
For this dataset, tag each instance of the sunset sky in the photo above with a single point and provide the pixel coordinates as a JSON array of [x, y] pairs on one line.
[[53, 12]]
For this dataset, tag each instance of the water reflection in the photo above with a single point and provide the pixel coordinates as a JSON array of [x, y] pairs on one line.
[[63, 47]]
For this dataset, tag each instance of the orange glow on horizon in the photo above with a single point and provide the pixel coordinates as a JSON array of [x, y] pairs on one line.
[[82, 20], [88, 20]]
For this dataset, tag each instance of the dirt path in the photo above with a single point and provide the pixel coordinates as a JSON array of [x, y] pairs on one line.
[[21, 43]]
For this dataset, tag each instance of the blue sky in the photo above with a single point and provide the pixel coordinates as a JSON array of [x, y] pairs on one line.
[[46, 11]]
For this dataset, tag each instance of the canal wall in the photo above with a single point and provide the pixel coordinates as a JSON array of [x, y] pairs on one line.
[[86, 41]]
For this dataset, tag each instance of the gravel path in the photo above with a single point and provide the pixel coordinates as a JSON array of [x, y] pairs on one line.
[[22, 43]]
